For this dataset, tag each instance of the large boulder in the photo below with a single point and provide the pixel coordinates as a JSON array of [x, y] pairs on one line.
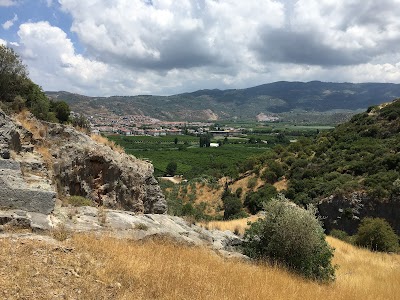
[[15, 193]]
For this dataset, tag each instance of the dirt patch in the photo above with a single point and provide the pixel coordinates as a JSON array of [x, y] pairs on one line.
[[281, 185], [175, 179]]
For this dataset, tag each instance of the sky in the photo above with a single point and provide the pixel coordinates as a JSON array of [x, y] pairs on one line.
[[165, 47]]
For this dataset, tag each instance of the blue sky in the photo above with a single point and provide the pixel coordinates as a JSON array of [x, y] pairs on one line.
[[26, 11], [120, 47]]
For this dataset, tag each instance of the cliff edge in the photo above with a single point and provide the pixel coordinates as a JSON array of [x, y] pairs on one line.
[[57, 161]]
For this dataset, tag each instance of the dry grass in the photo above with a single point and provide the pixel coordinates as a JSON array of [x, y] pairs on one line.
[[238, 225], [39, 270], [243, 184], [38, 129], [102, 140], [46, 155], [281, 185], [108, 268]]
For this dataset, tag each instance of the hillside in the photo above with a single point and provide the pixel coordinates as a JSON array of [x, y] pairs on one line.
[[295, 101], [350, 172], [88, 267]]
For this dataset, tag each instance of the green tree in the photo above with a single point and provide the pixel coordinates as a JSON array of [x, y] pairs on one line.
[[61, 110], [232, 205], [80, 121], [205, 140], [171, 168], [254, 201], [377, 235], [37, 102], [292, 236], [13, 74]]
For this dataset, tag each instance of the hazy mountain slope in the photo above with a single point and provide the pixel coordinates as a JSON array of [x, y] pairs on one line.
[[278, 97]]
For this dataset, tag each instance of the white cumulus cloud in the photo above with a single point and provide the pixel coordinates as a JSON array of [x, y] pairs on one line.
[[7, 3], [165, 47]]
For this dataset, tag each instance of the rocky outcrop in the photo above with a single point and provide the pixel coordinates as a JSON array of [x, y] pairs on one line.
[[345, 212], [15, 193], [9, 136], [52, 158], [124, 224], [92, 170]]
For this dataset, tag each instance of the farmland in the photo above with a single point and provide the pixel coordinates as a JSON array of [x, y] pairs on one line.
[[192, 161]]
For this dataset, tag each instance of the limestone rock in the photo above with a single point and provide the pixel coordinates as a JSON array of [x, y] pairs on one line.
[[16, 194], [9, 136], [92, 170], [56, 157]]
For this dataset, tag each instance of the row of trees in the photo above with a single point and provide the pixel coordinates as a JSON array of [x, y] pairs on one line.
[[18, 92]]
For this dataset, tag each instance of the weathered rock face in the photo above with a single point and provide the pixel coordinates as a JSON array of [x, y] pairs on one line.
[[71, 163], [15, 193], [9, 136], [346, 212], [117, 180]]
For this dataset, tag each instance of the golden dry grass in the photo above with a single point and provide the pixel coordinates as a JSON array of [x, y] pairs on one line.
[[102, 140], [38, 129], [109, 268], [281, 185], [238, 225], [46, 155]]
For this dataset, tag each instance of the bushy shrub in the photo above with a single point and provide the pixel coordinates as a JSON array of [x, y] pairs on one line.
[[79, 201], [341, 235], [254, 201], [291, 236], [377, 235], [251, 183]]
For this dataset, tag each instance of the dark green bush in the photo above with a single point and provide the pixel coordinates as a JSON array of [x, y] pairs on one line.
[[233, 207], [376, 234], [291, 236], [171, 168], [254, 201]]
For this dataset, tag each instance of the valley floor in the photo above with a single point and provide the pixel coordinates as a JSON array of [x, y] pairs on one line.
[[99, 267]]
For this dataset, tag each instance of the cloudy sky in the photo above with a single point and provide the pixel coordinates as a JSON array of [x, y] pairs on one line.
[[129, 47]]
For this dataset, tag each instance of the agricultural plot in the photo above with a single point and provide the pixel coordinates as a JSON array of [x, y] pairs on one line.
[[192, 161]]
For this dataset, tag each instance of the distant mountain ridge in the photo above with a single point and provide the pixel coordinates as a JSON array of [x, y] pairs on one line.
[[243, 104]]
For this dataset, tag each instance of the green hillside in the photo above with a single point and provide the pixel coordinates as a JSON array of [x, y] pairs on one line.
[[362, 155]]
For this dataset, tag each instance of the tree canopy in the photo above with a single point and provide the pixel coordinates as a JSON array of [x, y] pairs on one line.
[[13, 74], [17, 91]]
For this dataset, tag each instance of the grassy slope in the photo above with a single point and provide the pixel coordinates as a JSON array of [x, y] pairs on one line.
[[87, 267]]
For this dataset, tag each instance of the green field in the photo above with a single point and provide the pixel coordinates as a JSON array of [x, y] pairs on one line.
[[225, 160], [192, 160]]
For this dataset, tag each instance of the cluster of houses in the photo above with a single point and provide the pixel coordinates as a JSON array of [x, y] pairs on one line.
[[142, 125]]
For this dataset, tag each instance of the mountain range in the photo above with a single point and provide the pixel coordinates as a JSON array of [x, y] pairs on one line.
[[313, 101]]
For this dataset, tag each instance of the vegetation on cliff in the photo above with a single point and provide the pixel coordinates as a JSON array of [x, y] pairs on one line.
[[18, 92], [360, 155]]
